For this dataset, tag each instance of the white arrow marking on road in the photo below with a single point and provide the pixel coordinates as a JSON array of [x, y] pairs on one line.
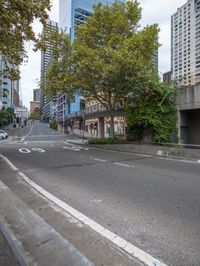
[[38, 150], [24, 150]]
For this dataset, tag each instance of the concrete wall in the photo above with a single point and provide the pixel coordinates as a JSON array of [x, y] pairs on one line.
[[189, 98]]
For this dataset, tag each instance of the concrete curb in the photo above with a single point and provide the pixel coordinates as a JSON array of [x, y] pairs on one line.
[[32, 240], [157, 151], [13, 243]]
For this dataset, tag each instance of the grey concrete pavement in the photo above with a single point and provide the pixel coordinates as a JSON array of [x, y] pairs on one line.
[[6, 255], [150, 202], [35, 225]]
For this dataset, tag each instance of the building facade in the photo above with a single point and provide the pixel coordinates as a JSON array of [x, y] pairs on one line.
[[185, 69], [9, 89], [46, 101], [185, 44], [36, 95]]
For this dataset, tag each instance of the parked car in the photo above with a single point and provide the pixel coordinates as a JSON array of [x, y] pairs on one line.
[[3, 134]]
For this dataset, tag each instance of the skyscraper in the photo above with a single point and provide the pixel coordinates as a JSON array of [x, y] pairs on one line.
[[46, 100], [36, 95], [71, 14], [185, 44]]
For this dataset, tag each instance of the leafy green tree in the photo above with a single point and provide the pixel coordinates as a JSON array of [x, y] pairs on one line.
[[6, 116], [35, 116], [59, 76], [153, 111], [16, 26], [112, 56]]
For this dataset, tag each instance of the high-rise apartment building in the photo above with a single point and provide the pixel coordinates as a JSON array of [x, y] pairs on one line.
[[47, 100], [185, 44], [9, 89]]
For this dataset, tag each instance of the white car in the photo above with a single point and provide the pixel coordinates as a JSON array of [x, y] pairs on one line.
[[3, 134]]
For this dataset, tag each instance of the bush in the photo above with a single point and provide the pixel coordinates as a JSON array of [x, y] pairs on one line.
[[104, 141], [54, 125]]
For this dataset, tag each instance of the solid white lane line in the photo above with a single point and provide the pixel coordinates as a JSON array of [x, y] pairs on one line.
[[115, 239], [99, 160], [12, 166], [125, 165]]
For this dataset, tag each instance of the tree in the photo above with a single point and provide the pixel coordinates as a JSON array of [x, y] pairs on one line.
[[153, 111], [16, 26], [112, 57], [59, 76], [6, 116]]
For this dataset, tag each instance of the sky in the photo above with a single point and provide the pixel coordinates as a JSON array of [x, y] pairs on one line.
[[153, 11]]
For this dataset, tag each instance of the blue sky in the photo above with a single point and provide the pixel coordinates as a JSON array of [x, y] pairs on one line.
[[154, 11]]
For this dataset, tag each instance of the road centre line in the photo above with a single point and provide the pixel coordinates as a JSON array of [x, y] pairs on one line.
[[125, 165]]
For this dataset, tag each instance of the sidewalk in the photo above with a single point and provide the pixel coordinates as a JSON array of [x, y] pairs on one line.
[[165, 151], [6, 255]]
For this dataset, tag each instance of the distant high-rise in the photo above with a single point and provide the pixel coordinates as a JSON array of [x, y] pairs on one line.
[[185, 44], [46, 100], [36, 95]]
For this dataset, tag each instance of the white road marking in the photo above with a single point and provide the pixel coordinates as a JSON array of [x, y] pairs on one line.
[[198, 161], [24, 150], [12, 166], [114, 238], [99, 160], [71, 148], [125, 165], [38, 150]]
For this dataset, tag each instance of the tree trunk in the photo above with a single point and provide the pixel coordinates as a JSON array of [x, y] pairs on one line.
[[112, 131]]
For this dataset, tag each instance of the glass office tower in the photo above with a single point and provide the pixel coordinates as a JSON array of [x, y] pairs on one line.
[[71, 14]]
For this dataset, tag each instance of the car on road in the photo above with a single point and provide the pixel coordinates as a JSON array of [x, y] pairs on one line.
[[3, 134]]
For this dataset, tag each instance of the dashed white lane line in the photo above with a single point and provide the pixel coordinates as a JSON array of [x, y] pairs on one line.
[[12, 166], [124, 165], [129, 248], [71, 148], [99, 160]]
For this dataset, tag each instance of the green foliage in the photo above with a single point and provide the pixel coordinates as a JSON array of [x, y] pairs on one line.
[[112, 56], [16, 26], [59, 77], [6, 116], [35, 116], [154, 110], [54, 125], [104, 141]]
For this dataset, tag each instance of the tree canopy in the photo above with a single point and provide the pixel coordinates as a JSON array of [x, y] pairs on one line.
[[59, 76], [113, 56], [16, 26]]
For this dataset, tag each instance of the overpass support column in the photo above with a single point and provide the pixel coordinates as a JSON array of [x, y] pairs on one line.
[[101, 127]]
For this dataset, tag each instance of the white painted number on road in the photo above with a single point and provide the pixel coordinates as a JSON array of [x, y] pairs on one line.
[[24, 150], [38, 150]]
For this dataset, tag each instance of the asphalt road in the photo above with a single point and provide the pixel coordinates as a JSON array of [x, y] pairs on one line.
[[150, 202]]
